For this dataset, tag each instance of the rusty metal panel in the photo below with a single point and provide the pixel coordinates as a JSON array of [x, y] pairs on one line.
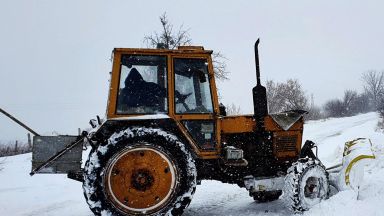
[[238, 124], [44, 147]]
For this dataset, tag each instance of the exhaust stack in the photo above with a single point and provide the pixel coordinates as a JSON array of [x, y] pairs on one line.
[[259, 94]]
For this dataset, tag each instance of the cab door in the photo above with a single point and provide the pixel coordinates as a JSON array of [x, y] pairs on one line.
[[195, 102]]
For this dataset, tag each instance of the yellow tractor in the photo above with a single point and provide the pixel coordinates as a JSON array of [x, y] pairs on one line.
[[165, 131]]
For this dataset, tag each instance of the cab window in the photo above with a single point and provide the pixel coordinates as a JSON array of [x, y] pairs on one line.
[[143, 85], [192, 89], [203, 132]]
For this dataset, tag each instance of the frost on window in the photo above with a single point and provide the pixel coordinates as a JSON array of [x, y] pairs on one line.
[[143, 85], [192, 90]]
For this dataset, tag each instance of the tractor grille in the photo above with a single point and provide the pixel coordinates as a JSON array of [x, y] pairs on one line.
[[285, 144]]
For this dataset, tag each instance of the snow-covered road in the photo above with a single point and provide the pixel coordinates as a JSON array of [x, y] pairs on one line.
[[44, 195]]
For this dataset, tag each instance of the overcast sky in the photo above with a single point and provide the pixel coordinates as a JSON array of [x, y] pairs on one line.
[[54, 55]]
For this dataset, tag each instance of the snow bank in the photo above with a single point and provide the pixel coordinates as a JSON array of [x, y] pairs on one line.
[[40, 195]]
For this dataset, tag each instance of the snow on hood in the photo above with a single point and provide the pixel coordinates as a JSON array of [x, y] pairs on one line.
[[286, 119]]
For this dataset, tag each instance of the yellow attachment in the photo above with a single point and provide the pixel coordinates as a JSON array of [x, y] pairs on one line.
[[353, 162], [351, 172], [361, 147]]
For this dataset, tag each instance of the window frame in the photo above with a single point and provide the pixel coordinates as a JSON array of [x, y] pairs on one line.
[[209, 84], [167, 73], [215, 134]]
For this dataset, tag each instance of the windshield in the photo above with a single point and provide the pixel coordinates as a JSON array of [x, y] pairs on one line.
[[143, 85], [192, 90]]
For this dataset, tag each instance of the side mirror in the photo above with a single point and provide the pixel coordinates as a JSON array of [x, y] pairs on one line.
[[92, 122], [222, 110]]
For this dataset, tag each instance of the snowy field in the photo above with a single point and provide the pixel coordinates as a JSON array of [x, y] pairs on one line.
[[45, 195]]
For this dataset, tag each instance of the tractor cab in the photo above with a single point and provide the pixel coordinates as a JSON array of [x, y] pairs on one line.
[[143, 85], [172, 82], [177, 84]]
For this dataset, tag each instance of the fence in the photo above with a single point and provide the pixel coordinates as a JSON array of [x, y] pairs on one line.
[[15, 148]]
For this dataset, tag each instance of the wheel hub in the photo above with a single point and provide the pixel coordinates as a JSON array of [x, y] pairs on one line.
[[140, 180], [311, 189]]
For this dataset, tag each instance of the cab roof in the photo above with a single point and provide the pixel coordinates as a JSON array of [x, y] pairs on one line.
[[179, 50]]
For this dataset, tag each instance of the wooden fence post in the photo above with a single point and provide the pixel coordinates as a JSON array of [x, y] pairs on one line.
[[16, 147], [29, 141]]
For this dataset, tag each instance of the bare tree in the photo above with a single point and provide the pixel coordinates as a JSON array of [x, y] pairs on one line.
[[232, 109], [1, 164], [349, 97], [219, 66], [334, 108], [286, 96], [374, 88], [169, 38], [294, 95], [352, 104], [363, 104], [275, 98], [380, 109], [349, 102], [314, 112], [356, 103], [374, 85]]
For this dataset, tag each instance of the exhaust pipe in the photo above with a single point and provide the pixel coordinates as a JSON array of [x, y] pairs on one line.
[[259, 92]]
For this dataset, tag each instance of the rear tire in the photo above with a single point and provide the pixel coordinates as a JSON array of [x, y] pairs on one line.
[[140, 171], [306, 184]]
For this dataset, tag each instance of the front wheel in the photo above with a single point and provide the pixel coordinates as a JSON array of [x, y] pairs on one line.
[[140, 171], [306, 184]]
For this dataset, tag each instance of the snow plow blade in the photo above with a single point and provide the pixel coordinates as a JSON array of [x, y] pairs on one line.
[[350, 174], [56, 154]]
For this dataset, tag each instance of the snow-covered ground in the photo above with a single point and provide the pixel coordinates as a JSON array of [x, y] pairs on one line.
[[45, 195]]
